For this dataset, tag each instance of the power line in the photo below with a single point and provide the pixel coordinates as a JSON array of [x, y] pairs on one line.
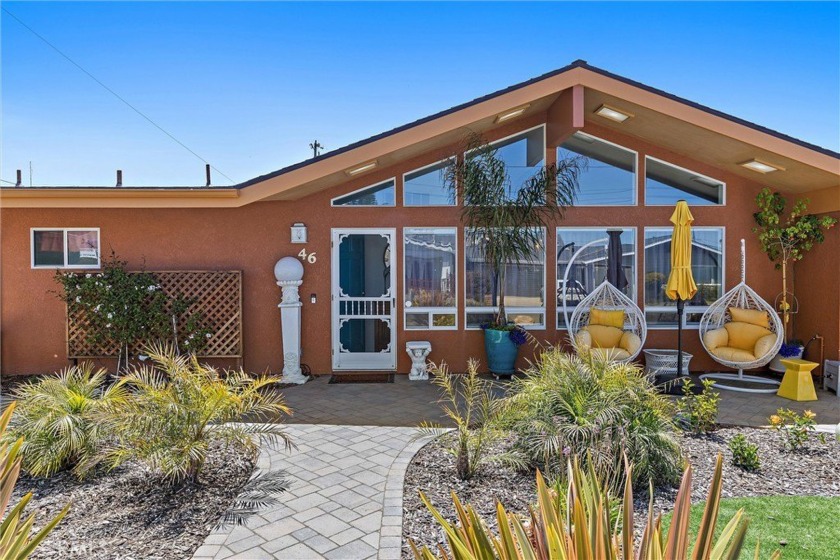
[[115, 94]]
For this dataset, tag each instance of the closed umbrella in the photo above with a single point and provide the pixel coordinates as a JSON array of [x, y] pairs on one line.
[[615, 255], [681, 286]]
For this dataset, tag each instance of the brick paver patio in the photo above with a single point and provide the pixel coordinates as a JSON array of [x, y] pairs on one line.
[[345, 502]]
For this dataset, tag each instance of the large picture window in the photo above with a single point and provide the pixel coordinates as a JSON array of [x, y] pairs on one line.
[[584, 260], [523, 155], [427, 186], [65, 248], [665, 184], [524, 286], [609, 178], [430, 271], [707, 265]]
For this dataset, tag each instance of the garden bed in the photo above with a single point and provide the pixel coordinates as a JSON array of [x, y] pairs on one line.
[[130, 513], [813, 472]]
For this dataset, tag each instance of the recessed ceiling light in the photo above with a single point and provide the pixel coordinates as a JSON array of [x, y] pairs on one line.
[[612, 113], [362, 168], [513, 113], [760, 166]]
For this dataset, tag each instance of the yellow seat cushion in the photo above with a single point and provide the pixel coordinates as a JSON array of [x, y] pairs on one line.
[[630, 342], [607, 317], [744, 335], [764, 345], [610, 354], [751, 316], [733, 354], [604, 336], [716, 338]]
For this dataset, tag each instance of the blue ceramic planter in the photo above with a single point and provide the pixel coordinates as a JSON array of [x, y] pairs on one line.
[[501, 351]]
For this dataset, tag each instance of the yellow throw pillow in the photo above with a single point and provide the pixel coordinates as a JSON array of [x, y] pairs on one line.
[[604, 336], [608, 318], [744, 335], [751, 316]]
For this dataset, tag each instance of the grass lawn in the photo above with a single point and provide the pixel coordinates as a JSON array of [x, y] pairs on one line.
[[808, 524]]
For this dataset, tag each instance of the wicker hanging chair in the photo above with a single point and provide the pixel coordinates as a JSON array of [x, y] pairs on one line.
[[713, 330], [607, 297]]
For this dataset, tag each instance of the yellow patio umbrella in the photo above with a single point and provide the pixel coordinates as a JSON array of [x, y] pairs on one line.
[[681, 286]]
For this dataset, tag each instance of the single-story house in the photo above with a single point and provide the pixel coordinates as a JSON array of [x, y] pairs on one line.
[[386, 258]]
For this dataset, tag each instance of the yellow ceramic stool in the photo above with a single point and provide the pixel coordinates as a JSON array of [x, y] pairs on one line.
[[797, 384]]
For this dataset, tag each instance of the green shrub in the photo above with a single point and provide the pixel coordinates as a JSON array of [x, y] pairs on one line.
[[469, 402], [698, 413], [56, 419], [16, 540], [795, 428], [178, 406], [571, 405], [744, 453]]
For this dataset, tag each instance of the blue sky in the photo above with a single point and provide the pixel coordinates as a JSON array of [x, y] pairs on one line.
[[249, 85]]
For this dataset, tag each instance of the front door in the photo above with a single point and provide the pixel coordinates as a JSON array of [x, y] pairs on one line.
[[363, 299]]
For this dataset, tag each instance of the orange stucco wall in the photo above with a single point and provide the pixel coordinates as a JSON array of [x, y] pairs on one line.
[[253, 237]]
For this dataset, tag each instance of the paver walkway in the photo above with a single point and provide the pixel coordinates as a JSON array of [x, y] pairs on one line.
[[345, 502]]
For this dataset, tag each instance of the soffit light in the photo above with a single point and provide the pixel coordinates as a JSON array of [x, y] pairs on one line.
[[513, 113], [362, 168], [612, 113], [760, 166]]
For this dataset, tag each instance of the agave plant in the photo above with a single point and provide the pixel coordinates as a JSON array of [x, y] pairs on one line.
[[56, 419], [582, 528], [179, 406], [16, 539]]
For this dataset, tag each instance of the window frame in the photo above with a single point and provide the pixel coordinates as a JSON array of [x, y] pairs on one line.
[[635, 172], [687, 309], [635, 294], [360, 189], [490, 309], [65, 265], [433, 164], [430, 310], [689, 171]]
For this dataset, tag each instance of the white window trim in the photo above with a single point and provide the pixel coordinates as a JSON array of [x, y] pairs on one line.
[[688, 308], [64, 246], [663, 162], [407, 205], [431, 310], [351, 193], [491, 309], [635, 174], [635, 282]]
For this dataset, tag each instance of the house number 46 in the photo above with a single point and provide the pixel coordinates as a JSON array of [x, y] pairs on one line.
[[310, 258]]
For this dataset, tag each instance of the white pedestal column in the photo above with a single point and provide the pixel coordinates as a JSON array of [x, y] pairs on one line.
[[289, 274]]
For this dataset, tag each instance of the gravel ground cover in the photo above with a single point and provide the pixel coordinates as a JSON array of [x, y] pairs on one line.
[[130, 514], [813, 472]]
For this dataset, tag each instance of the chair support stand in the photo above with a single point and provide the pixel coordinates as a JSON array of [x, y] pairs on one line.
[[743, 379]]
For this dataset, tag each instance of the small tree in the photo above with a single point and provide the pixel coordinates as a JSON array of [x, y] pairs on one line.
[[506, 219], [786, 239]]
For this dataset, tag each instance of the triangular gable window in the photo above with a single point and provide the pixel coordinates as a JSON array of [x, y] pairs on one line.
[[382, 194]]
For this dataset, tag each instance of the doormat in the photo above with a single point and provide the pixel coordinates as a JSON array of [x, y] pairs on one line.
[[362, 378]]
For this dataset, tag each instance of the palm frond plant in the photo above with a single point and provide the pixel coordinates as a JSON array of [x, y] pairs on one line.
[[506, 221], [261, 491], [56, 417], [580, 526], [16, 539], [468, 401], [587, 406], [179, 406]]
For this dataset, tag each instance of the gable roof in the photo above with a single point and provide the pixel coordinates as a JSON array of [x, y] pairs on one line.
[[328, 169]]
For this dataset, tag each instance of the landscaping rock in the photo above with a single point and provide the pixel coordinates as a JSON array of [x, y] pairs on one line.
[[811, 472], [131, 513]]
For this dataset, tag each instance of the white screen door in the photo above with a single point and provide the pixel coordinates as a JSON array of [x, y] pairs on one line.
[[363, 299]]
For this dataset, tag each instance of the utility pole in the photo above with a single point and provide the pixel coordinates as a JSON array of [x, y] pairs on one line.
[[316, 148]]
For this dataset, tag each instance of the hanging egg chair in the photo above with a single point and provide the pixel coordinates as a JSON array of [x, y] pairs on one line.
[[741, 331]]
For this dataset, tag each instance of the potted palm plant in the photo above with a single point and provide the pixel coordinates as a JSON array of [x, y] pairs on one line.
[[786, 239], [506, 222]]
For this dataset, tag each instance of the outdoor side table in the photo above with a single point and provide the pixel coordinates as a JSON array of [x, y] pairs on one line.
[[798, 384]]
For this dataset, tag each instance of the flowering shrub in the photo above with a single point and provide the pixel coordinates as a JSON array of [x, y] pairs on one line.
[[127, 308], [795, 428], [516, 333]]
